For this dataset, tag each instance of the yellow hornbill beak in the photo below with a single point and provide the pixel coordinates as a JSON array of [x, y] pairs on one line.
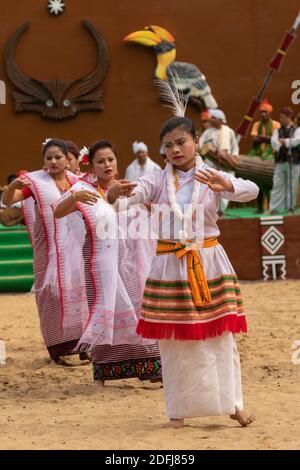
[[144, 37], [151, 36], [163, 44], [162, 33]]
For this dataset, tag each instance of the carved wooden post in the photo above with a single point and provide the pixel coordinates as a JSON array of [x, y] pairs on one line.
[[273, 248]]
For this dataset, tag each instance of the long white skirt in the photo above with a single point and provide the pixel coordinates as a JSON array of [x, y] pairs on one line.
[[201, 378]]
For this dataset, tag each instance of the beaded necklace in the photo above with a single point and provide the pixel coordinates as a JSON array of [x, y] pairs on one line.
[[176, 180], [65, 188], [101, 192]]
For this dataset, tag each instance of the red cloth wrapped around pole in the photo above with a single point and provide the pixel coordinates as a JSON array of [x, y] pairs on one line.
[[281, 52], [248, 118], [274, 66]]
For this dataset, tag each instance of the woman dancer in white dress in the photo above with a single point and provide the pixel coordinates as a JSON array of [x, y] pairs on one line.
[[61, 324], [115, 273], [192, 302]]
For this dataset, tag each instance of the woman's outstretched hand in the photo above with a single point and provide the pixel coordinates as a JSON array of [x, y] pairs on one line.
[[87, 197], [120, 188], [214, 180], [19, 183]]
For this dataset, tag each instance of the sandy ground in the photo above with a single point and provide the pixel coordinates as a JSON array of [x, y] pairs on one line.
[[52, 407]]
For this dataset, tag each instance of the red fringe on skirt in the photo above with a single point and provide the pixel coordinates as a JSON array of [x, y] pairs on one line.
[[197, 331]]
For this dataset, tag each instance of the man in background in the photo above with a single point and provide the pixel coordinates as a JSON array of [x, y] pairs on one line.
[[261, 146], [142, 165], [286, 144], [262, 132], [219, 139]]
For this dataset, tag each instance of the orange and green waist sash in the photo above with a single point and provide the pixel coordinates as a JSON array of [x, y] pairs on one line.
[[196, 276]]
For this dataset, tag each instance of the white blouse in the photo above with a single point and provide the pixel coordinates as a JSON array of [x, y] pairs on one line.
[[153, 189]]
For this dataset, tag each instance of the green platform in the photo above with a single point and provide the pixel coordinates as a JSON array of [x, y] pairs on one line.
[[16, 256], [16, 259], [250, 213]]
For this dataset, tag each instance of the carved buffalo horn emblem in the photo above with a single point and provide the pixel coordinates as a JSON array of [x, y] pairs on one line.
[[57, 99]]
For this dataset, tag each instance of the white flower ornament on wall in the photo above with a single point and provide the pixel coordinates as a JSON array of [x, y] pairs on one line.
[[56, 7]]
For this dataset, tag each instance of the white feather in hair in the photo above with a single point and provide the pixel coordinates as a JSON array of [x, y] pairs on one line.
[[169, 92], [47, 140]]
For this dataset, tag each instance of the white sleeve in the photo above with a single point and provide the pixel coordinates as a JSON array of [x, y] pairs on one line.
[[204, 138], [244, 190], [2, 206], [201, 140], [275, 141], [235, 150], [144, 192], [295, 140], [128, 173]]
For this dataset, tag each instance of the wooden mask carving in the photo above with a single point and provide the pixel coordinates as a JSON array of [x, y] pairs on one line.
[[57, 99]]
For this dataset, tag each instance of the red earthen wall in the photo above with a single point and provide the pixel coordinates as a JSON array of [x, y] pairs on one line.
[[232, 42]]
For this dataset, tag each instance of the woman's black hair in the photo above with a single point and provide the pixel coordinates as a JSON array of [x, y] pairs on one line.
[[61, 144], [73, 149], [11, 178], [183, 123], [100, 144]]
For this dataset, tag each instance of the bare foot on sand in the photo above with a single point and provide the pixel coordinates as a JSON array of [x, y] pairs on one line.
[[99, 384], [155, 381], [84, 356], [243, 417], [60, 362], [175, 423]]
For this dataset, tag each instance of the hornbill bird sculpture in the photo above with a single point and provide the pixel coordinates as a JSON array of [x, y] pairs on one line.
[[187, 77]]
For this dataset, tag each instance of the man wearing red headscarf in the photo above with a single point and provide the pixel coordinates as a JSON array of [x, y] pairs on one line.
[[262, 132], [205, 120]]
